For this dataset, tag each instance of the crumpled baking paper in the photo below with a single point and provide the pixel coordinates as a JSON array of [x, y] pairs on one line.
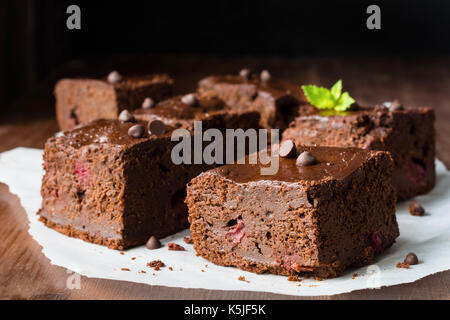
[[427, 236]]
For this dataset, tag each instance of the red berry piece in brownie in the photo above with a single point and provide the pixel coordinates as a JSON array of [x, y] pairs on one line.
[[407, 133], [315, 217], [82, 100], [111, 185]]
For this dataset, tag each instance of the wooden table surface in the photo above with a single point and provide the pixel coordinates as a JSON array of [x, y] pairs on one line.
[[25, 273]]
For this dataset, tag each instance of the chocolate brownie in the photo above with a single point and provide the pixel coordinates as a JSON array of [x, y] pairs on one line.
[[105, 186], [407, 133], [311, 218], [82, 100], [276, 100], [213, 113]]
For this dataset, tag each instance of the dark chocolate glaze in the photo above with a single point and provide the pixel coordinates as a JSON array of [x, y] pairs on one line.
[[105, 131], [333, 163], [174, 108]]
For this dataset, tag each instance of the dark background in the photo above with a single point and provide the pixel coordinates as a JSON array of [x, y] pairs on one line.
[[35, 43]]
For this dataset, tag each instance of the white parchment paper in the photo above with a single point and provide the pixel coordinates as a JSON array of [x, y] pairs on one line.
[[427, 236]]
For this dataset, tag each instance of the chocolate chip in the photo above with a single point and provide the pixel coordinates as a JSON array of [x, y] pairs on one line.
[[265, 76], [156, 127], [287, 149], [153, 243], [415, 209], [245, 73], [306, 159], [126, 116], [394, 105], [175, 247], [136, 131], [114, 77], [411, 259], [189, 99], [148, 103]]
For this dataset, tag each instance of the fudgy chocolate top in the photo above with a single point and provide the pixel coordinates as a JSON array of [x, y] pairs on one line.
[[174, 108], [129, 82], [277, 88], [310, 111], [333, 163], [112, 132]]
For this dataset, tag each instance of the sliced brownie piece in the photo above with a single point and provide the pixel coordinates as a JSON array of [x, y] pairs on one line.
[[82, 100], [179, 112], [106, 187], [407, 133], [318, 219], [276, 100]]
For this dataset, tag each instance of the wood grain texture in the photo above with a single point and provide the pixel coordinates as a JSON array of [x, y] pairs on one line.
[[25, 273]]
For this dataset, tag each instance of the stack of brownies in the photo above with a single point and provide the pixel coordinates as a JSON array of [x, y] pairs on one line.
[[110, 179]]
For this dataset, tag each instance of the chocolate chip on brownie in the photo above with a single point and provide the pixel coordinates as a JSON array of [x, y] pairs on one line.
[[114, 77], [287, 149], [156, 127], [189, 99], [416, 209], [126, 116], [136, 131], [306, 158], [245, 73], [148, 103], [153, 243], [175, 247], [265, 76], [394, 105], [411, 259]]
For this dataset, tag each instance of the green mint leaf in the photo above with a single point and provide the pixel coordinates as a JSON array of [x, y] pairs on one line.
[[319, 97], [336, 90], [344, 102], [328, 99]]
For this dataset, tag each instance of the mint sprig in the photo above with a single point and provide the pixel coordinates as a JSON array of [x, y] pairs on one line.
[[328, 99]]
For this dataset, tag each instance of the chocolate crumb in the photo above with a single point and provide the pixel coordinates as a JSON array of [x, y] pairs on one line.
[[125, 269], [318, 278], [416, 209], [293, 278], [188, 240], [122, 253], [203, 270], [142, 271], [156, 263], [175, 247], [156, 268], [170, 268], [411, 259], [133, 258], [153, 243], [242, 278], [402, 265]]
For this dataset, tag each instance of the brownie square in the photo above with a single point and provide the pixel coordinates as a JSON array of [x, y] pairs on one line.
[[106, 187], [407, 133], [212, 111], [82, 100], [276, 100], [315, 220]]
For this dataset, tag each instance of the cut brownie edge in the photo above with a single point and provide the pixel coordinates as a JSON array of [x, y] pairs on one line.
[[313, 227]]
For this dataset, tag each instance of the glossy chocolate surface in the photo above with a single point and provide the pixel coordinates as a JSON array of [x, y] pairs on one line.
[[337, 163], [105, 131], [174, 108]]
